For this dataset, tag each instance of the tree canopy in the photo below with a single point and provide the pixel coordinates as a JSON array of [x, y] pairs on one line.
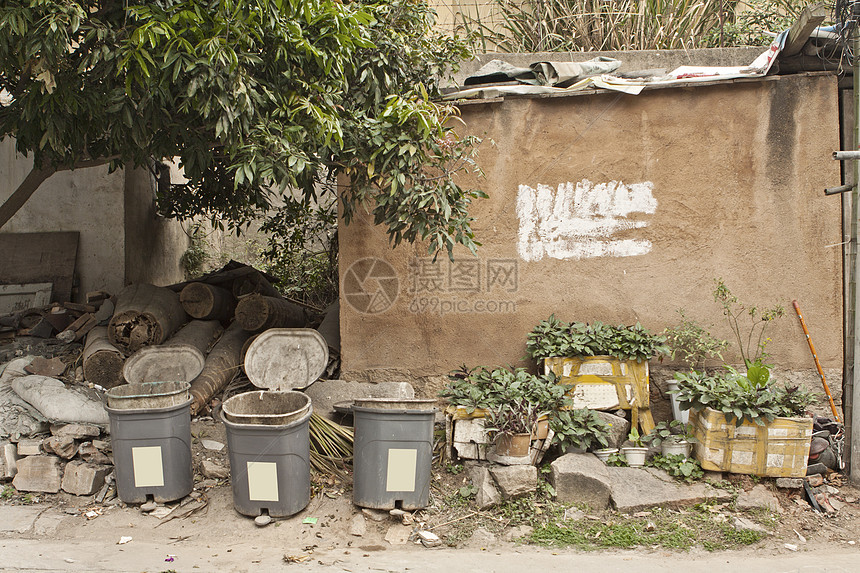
[[255, 97]]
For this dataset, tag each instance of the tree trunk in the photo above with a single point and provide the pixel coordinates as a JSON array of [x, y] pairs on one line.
[[102, 360], [222, 364], [256, 312], [145, 315], [208, 302]]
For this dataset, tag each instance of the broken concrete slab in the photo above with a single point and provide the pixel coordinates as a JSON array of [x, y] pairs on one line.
[[634, 489], [38, 473], [581, 478], [18, 518], [81, 478], [214, 470], [29, 447], [58, 403], [76, 431], [358, 525], [8, 461], [93, 455], [514, 481], [619, 428], [326, 393], [64, 446], [48, 523], [758, 497], [487, 495], [744, 524], [398, 534]]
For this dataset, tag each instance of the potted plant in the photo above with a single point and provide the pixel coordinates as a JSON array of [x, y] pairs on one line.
[[594, 356], [738, 421], [691, 344], [578, 430], [513, 401], [673, 438], [636, 453]]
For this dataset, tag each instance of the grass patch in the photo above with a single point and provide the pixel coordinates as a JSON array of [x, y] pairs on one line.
[[666, 529]]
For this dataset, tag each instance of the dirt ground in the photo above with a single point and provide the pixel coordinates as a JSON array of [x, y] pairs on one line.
[[331, 527]]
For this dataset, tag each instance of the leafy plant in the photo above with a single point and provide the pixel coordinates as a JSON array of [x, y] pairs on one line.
[[664, 431], [485, 388], [8, 492], [635, 438], [692, 344], [582, 428], [553, 337], [518, 416], [678, 466], [616, 459], [740, 399], [749, 324]]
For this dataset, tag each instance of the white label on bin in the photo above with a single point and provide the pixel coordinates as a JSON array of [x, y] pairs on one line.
[[148, 467], [401, 470], [262, 481]]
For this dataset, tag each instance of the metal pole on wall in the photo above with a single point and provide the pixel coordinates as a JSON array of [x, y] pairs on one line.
[[854, 292]]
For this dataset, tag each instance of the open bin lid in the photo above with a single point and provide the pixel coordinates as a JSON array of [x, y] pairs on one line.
[[286, 358]]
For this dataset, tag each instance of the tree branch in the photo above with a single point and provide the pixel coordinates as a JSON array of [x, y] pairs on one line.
[[32, 182]]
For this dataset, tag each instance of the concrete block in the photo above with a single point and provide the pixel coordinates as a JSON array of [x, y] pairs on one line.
[[38, 473], [76, 431], [64, 446], [759, 496], [471, 441], [619, 428], [92, 455], [214, 470], [8, 461], [789, 483], [487, 495], [29, 447], [514, 481], [581, 478], [81, 478]]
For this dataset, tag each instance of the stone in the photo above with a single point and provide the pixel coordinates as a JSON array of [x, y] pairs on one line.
[[48, 523], [517, 533], [789, 483], [8, 461], [815, 480], [262, 520], [619, 428], [744, 524], [358, 525], [398, 534], [429, 539], [64, 446], [375, 514], [514, 481], [713, 476], [757, 497], [214, 470], [573, 514], [213, 445], [481, 539], [470, 439], [487, 494], [633, 489], [38, 473], [76, 431], [93, 455], [581, 479], [102, 445], [148, 506], [81, 478], [29, 447]]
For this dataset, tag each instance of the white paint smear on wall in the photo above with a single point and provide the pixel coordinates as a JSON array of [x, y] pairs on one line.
[[579, 221]]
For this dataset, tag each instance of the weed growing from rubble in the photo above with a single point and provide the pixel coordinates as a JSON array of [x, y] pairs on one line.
[[8, 492]]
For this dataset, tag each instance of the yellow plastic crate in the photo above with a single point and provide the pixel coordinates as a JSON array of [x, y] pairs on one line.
[[778, 449], [602, 382]]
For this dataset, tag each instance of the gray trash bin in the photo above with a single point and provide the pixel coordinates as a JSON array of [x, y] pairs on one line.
[[151, 440], [269, 446], [392, 454]]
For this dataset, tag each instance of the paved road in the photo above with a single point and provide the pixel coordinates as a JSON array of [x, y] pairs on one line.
[[30, 555]]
